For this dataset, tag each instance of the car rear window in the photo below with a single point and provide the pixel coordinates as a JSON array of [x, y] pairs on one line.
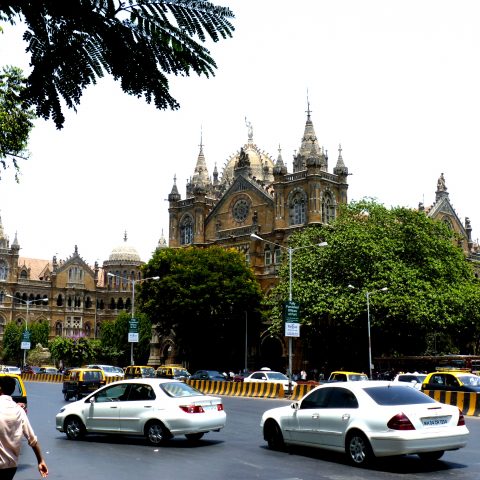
[[179, 389], [397, 395]]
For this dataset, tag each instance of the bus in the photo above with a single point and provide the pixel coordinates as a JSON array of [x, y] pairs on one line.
[[427, 363]]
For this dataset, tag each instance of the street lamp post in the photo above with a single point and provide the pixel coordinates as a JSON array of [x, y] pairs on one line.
[[27, 303], [290, 290], [133, 282], [367, 295], [246, 341]]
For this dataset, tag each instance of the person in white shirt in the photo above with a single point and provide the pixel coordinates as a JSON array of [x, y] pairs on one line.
[[14, 424]]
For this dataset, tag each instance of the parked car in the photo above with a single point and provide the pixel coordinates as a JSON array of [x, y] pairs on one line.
[[79, 382], [452, 380], [413, 379], [30, 369], [19, 395], [119, 371], [213, 375], [156, 408], [49, 370], [175, 372], [341, 376], [108, 370], [11, 369], [264, 376], [139, 371], [367, 419]]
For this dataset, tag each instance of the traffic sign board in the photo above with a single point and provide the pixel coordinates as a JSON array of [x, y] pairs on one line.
[[291, 312], [133, 326], [292, 329]]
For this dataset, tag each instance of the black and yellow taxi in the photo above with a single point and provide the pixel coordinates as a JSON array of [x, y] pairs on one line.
[[139, 371], [174, 372], [20, 393], [452, 380], [79, 382]]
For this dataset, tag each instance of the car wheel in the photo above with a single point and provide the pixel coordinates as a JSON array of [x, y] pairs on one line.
[[66, 396], [74, 428], [431, 456], [358, 449], [156, 433], [273, 435], [194, 437]]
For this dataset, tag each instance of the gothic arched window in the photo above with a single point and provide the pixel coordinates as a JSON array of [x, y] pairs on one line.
[[296, 205], [328, 208], [3, 270], [186, 231], [268, 255]]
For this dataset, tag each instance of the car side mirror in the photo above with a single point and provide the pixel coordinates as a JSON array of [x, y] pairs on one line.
[[295, 405], [92, 399]]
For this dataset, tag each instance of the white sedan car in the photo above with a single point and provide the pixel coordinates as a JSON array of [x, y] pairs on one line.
[[264, 376], [155, 408], [367, 419]]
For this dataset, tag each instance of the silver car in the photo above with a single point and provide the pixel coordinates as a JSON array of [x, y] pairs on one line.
[[156, 408]]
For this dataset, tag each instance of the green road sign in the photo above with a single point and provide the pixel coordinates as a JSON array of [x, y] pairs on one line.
[[133, 326], [291, 312]]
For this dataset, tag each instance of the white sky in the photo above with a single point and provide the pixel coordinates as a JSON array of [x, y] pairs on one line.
[[395, 82]]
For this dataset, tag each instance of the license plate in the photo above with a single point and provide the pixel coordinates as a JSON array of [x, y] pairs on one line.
[[435, 421], [209, 407]]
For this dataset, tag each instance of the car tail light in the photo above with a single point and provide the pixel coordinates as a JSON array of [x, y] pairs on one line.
[[461, 419], [220, 407], [400, 422], [192, 408]]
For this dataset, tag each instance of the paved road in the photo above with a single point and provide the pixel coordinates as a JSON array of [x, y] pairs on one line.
[[236, 453]]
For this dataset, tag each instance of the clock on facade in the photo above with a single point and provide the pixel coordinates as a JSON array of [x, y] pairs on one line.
[[240, 210]]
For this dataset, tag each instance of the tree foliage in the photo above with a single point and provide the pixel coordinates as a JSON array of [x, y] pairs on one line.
[[138, 42], [12, 337], [114, 340], [431, 287], [15, 120], [73, 352], [202, 299]]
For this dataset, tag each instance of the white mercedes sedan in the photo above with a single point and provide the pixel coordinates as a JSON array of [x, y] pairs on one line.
[[367, 419], [156, 408]]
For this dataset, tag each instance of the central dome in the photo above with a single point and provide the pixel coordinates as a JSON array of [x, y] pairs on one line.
[[124, 252]]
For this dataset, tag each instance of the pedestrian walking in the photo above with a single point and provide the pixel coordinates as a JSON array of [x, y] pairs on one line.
[[14, 424]]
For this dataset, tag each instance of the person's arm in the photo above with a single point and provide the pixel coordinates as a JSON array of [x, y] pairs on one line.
[[42, 466]]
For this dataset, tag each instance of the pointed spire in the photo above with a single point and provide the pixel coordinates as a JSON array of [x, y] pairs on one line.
[[340, 168], [215, 174], [162, 242], [305, 150], [174, 196], [279, 168], [15, 241], [125, 237], [200, 180]]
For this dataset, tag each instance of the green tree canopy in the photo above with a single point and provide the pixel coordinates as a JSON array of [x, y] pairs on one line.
[[202, 299], [115, 347], [431, 287], [15, 120], [138, 42]]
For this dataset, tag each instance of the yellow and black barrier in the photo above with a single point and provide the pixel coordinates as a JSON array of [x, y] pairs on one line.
[[42, 377], [467, 402], [302, 389], [239, 389]]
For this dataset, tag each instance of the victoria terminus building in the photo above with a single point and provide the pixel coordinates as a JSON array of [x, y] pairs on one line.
[[255, 194]]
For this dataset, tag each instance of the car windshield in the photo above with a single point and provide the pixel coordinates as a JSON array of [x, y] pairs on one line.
[[179, 389], [148, 372], [108, 369], [276, 376], [471, 380], [397, 395], [357, 378], [181, 372]]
